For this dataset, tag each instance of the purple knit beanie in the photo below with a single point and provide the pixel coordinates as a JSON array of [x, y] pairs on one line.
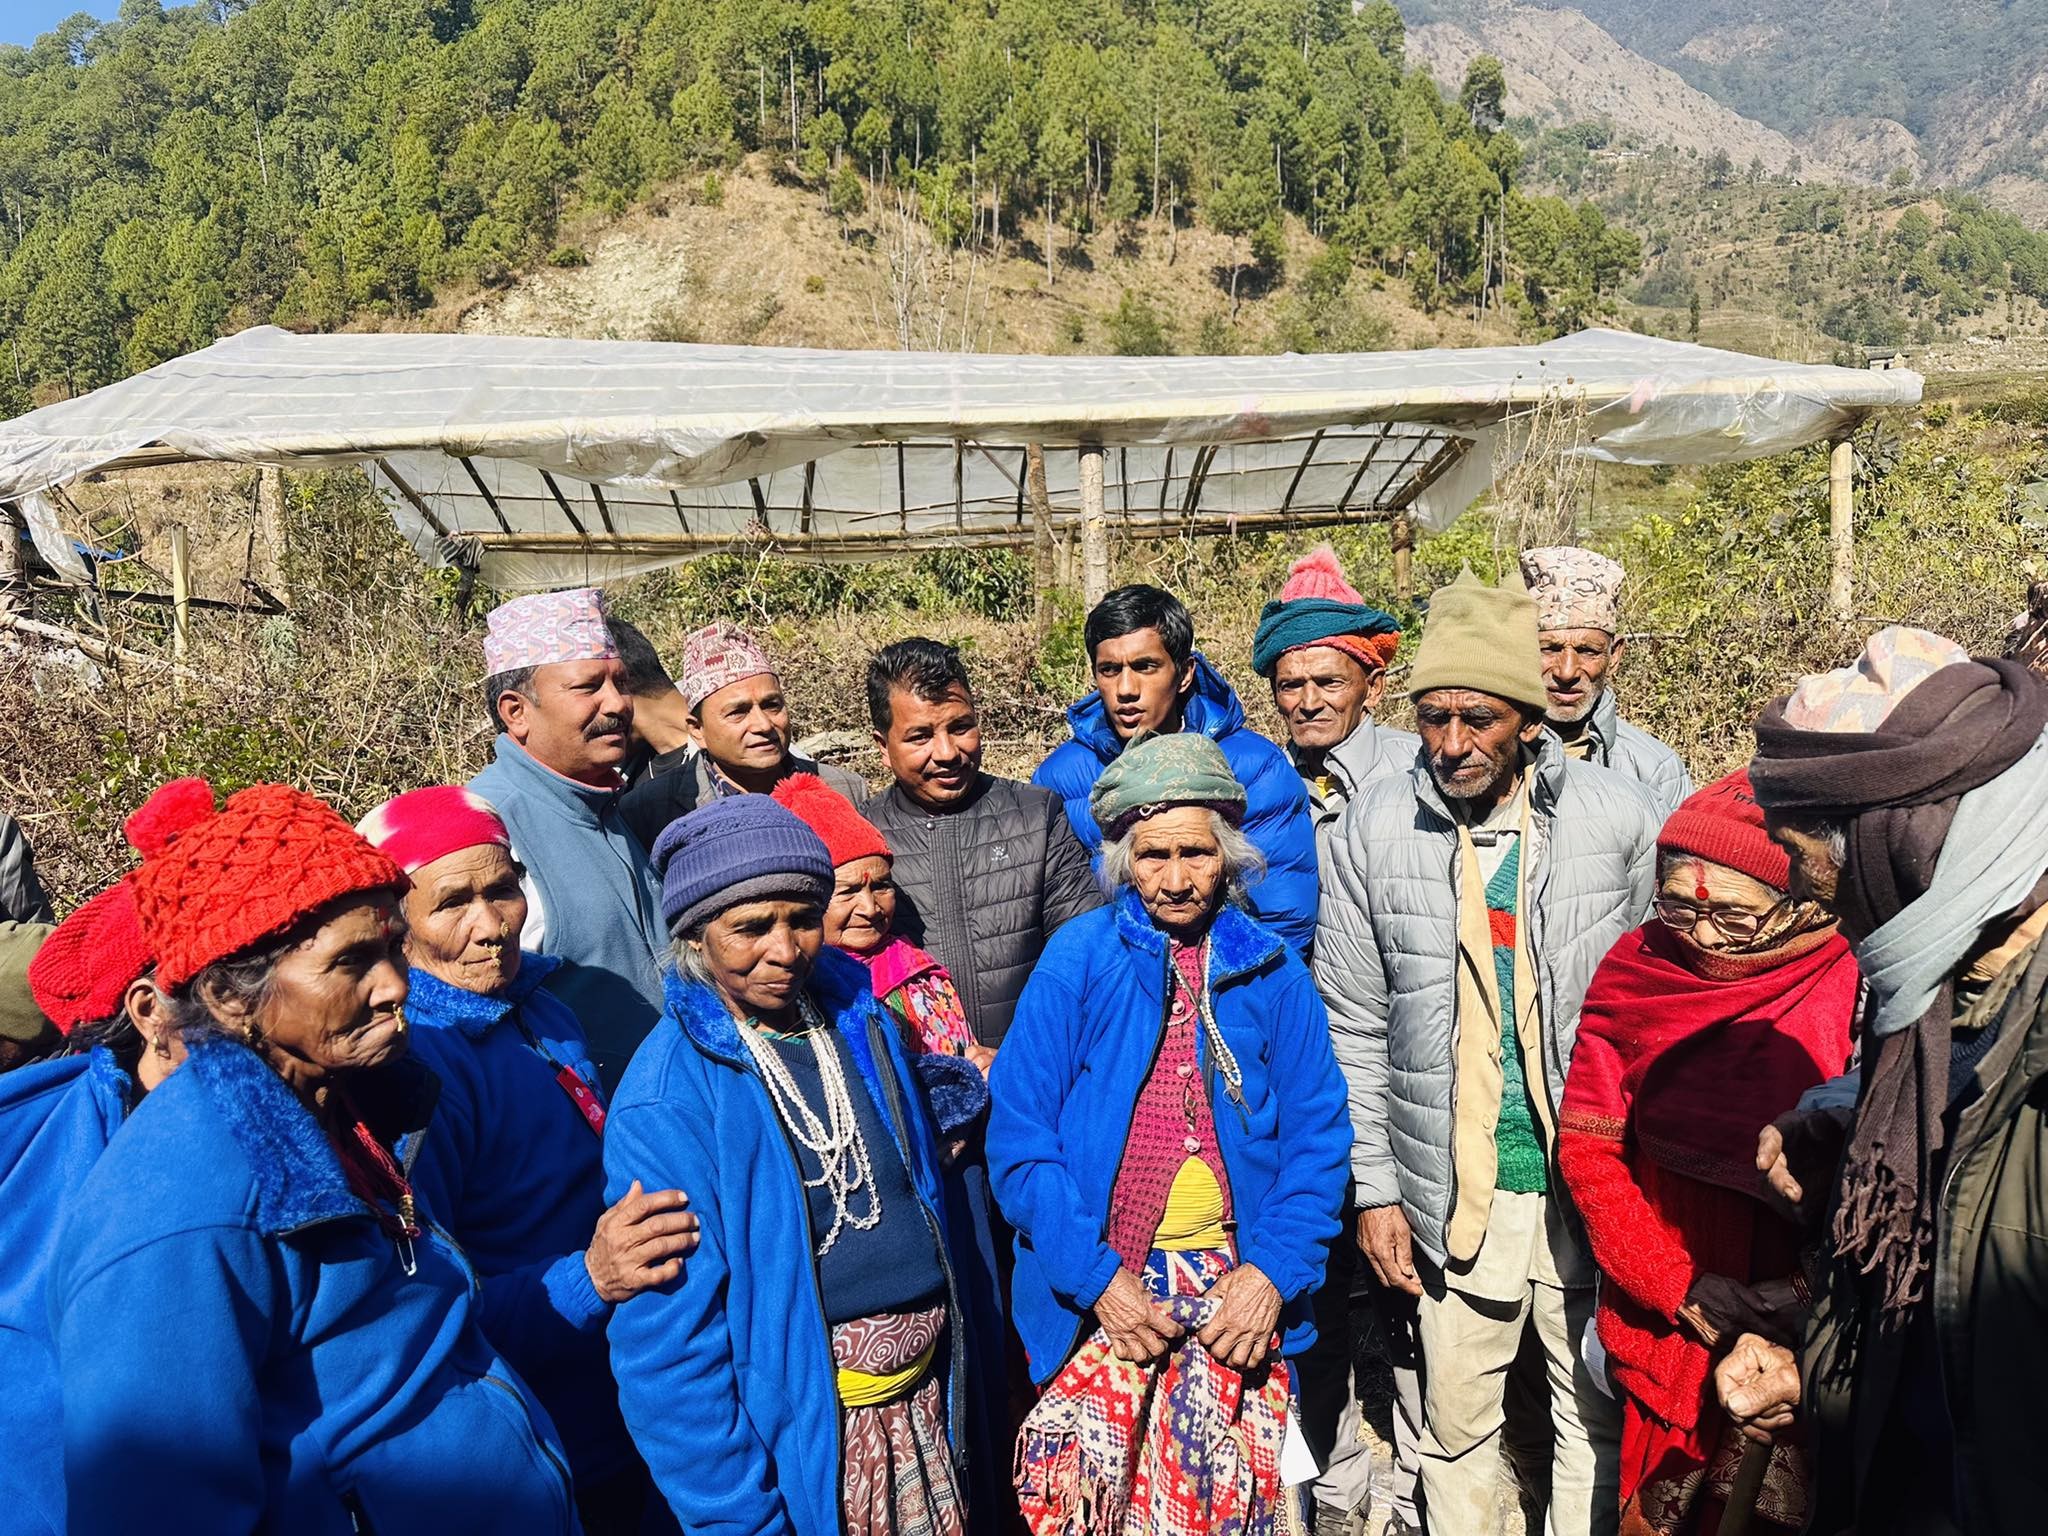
[[741, 848]]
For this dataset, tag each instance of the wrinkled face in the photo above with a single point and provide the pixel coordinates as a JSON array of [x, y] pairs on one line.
[[760, 953], [336, 998], [862, 911], [1816, 873], [1141, 688], [1177, 867], [1705, 890], [1322, 693], [579, 721], [1576, 664], [1473, 741], [933, 747], [463, 916], [745, 725]]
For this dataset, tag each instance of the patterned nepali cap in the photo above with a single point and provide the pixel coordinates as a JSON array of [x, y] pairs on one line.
[[717, 656], [547, 627], [1574, 588], [1860, 697]]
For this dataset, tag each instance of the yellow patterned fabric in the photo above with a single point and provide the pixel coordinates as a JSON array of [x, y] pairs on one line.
[[864, 1389], [1194, 1212]]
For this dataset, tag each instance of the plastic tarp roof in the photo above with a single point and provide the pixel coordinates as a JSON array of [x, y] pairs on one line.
[[553, 462]]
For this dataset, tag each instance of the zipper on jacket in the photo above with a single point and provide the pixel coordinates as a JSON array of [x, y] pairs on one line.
[[561, 1468]]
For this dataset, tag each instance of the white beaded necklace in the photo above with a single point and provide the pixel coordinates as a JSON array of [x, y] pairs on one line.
[[841, 1150]]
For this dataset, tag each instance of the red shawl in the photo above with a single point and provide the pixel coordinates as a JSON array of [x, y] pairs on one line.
[[1694, 1066]]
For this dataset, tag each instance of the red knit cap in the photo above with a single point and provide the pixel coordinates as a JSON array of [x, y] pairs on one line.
[[95, 955], [846, 833], [1723, 824], [213, 882]]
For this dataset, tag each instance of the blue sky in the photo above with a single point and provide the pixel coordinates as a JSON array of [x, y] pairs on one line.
[[23, 21]]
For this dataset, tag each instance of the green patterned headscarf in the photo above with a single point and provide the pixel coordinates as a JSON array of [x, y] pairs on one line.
[[1158, 773]]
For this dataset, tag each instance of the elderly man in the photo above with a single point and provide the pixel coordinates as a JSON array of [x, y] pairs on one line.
[[1467, 907], [1149, 677], [1578, 621], [1911, 791], [738, 723], [986, 868], [555, 690], [1325, 652]]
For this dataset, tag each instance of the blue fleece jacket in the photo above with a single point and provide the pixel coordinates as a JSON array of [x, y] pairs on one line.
[[1065, 1086], [726, 1376], [597, 901], [516, 1174], [56, 1118], [244, 1349], [1277, 818]]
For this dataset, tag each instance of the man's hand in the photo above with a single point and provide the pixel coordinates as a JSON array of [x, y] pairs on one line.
[[1717, 1308], [640, 1243], [1795, 1154], [1240, 1331], [1758, 1384], [1139, 1330], [1389, 1247]]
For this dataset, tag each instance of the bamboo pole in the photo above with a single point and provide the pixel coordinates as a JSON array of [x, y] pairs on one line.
[[1842, 529], [1094, 529], [1043, 560], [13, 566], [181, 595]]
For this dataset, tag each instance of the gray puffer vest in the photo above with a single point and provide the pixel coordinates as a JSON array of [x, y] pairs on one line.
[[1634, 752], [1387, 956]]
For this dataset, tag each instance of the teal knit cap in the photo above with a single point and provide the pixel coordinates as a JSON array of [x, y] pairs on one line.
[[1159, 773]]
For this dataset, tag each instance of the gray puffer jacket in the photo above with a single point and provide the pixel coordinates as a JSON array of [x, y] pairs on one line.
[[1387, 956], [1368, 754], [982, 888], [1636, 753]]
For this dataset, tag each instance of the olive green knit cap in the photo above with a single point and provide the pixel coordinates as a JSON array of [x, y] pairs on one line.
[[1156, 773], [1483, 638]]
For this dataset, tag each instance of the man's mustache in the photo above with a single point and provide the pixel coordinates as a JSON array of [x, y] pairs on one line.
[[605, 725]]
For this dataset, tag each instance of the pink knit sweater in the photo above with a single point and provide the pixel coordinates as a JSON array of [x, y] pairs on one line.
[[1173, 1121]]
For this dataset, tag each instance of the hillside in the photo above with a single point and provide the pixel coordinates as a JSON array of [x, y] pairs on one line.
[[1562, 68], [1956, 93]]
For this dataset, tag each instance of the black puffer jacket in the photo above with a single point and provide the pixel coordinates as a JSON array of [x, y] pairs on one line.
[[21, 894], [982, 888]]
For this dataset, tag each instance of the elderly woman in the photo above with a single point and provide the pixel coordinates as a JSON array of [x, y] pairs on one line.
[[1169, 1139], [808, 1376], [512, 1163], [56, 1118], [1700, 1028], [257, 1329]]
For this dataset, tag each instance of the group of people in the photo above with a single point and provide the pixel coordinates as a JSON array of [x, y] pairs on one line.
[[665, 1130]]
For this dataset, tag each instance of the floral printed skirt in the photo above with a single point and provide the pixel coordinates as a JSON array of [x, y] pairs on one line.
[[899, 1478]]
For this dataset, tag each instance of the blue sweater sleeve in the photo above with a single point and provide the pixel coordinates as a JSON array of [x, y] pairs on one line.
[[1288, 1237], [1032, 1076], [1278, 823], [672, 1355], [161, 1351]]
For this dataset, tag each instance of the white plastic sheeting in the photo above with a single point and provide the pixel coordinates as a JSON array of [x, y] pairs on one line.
[[562, 461]]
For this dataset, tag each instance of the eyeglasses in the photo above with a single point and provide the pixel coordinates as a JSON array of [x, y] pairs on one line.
[[1732, 923]]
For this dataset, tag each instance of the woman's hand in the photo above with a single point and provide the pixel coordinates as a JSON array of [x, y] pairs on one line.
[[1390, 1247], [983, 1056], [1240, 1331], [640, 1243], [1718, 1308], [1138, 1328], [1758, 1384], [1795, 1156]]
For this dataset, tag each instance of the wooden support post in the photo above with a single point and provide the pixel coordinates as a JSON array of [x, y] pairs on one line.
[[1402, 533], [13, 566], [1044, 572], [1842, 529], [181, 595], [1094, 529]]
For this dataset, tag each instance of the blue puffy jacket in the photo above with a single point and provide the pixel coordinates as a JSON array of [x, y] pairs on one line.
[[514, 1171], [1277, 816], [56, 1118], [243, 1348], [726, 1376], [1065, 1086]]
